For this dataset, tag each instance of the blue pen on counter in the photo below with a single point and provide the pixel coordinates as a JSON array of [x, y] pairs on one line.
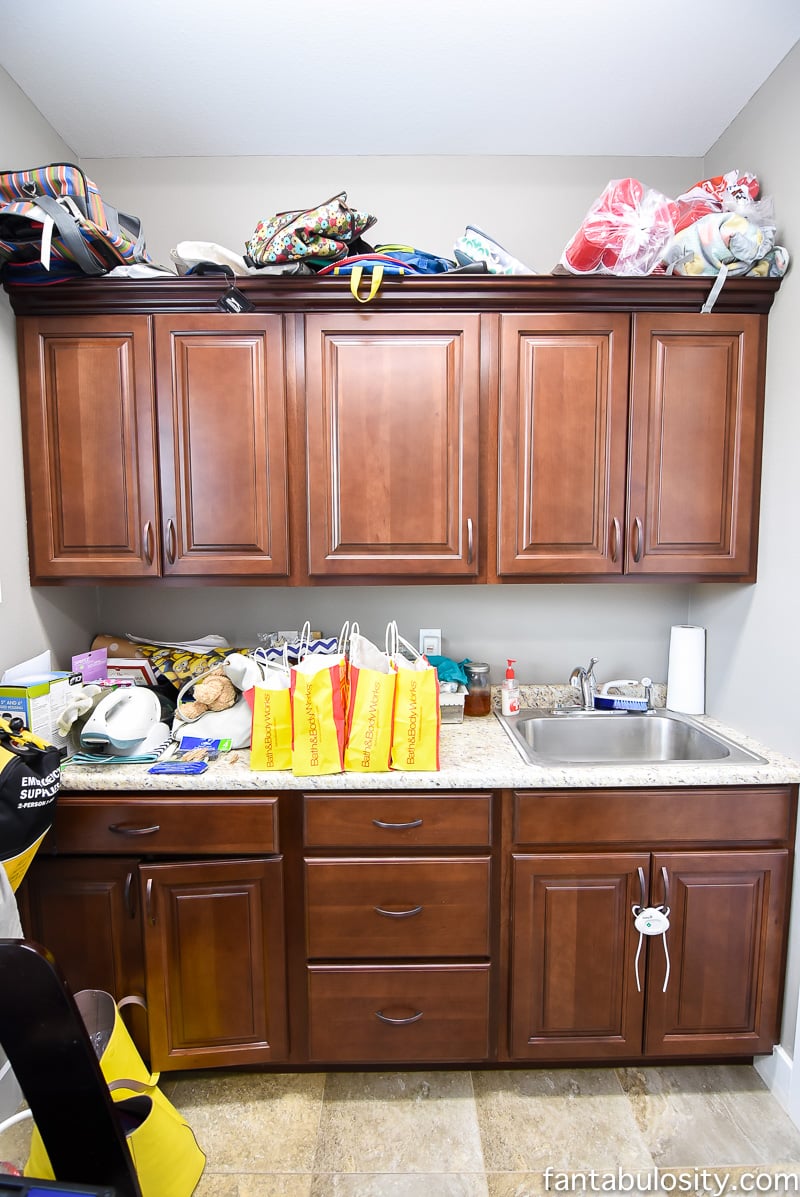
[[185, 767]]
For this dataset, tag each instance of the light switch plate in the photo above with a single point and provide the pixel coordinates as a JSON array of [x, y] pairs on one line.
[[430, 641]]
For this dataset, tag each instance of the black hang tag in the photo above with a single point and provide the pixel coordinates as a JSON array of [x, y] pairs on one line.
[[234, 301]]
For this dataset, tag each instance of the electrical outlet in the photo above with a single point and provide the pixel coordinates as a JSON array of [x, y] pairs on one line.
[[430, 641]]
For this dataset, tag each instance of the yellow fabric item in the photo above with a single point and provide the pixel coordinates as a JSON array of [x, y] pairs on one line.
[[167, 1158]]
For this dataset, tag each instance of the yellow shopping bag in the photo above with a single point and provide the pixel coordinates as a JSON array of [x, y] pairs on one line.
[[371, 685], [318, 715], [271, 736], [417, 716]]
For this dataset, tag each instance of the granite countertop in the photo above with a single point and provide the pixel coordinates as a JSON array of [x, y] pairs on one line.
[[475, 754]]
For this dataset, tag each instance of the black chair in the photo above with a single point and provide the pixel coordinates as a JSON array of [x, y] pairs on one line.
[[46, 1041]]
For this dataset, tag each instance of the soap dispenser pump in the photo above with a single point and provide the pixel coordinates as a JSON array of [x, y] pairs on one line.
[[509, 693]]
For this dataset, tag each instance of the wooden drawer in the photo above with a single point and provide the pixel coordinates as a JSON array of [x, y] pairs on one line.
[[218, 825], [674, 818], [367, 909], [398, 821], [402, 1013]]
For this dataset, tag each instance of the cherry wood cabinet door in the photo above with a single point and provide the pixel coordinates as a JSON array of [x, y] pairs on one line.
[[86, 911], [220, 389], [216, 972], [695, 450], [89, 447], [562, 443], [726, 943], [392, 422], [573, 956]]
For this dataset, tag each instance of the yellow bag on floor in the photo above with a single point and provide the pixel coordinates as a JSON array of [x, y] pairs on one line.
[[167, 1158]]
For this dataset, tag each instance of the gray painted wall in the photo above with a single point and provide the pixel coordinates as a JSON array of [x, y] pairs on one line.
[[754, 632]]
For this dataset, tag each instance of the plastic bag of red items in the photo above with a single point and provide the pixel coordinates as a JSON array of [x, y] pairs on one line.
[[730, 192], [623, 232]]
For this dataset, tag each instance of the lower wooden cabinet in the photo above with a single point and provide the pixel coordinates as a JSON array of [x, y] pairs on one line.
[[425, 928], [585, 986], [573, 989], [398, 1012], [202, 941], [215, 961]]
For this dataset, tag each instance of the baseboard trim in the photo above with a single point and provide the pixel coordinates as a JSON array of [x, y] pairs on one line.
[[778, 1074], [10, 1092]]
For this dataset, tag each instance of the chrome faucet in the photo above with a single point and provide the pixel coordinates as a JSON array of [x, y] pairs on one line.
[[584, 681]]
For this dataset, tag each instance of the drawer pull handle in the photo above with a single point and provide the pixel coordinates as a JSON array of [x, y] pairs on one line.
[[128, 893], [397, 826], [133, 828], [398, 914], [398, 1022]]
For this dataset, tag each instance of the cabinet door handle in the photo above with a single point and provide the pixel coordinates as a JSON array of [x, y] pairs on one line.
[[642, 888], [637, 539], [470, 541], [615, 537], [149, 544], [398, 914], [397, 826], [149, 900], [128, 896], [133, 828], [665, 883], [171, 541], [398, 1022]]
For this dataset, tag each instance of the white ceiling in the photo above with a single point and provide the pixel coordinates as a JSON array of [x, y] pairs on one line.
[[409, 77]]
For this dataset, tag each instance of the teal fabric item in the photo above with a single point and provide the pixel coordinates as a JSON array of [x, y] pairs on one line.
[[448, 670]]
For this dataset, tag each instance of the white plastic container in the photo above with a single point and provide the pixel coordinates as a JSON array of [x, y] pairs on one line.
[[509, 691]]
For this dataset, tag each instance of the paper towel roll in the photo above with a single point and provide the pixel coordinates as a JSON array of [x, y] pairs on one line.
[[686, 675]]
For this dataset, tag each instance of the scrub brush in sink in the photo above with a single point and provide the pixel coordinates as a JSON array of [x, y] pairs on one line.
[[603, 701]]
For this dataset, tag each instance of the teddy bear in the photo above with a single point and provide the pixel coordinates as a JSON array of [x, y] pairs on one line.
[[214, 692]]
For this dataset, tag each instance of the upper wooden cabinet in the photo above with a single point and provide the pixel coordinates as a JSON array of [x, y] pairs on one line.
[[112, 495], [88, 426], [563, 438], [220, 386], [458, 428], [649, 471], [695, 445], [392, 410]]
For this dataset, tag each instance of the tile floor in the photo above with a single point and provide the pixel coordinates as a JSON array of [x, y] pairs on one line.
[[705, 1129]]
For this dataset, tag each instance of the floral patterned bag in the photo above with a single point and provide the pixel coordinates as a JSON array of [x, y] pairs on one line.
[[325, 232]]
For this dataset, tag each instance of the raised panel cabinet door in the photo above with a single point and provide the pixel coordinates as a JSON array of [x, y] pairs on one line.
[[216, 972], [392, 421], [562, 444], [86, 911], [220, 389], [88, 428], [695, 457], [574, 992], [725, 946]]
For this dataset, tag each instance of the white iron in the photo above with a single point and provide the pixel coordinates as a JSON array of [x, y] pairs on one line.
[[125, 722]]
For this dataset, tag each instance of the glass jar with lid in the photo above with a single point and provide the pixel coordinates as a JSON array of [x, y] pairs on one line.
[[478, 699]]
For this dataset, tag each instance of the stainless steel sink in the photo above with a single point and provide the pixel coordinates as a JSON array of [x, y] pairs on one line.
[[556, 737]]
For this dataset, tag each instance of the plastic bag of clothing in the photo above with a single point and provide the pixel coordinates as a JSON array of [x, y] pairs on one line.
[[624, 231]]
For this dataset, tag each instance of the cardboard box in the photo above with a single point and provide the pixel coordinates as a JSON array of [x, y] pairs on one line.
[[39, 701]]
